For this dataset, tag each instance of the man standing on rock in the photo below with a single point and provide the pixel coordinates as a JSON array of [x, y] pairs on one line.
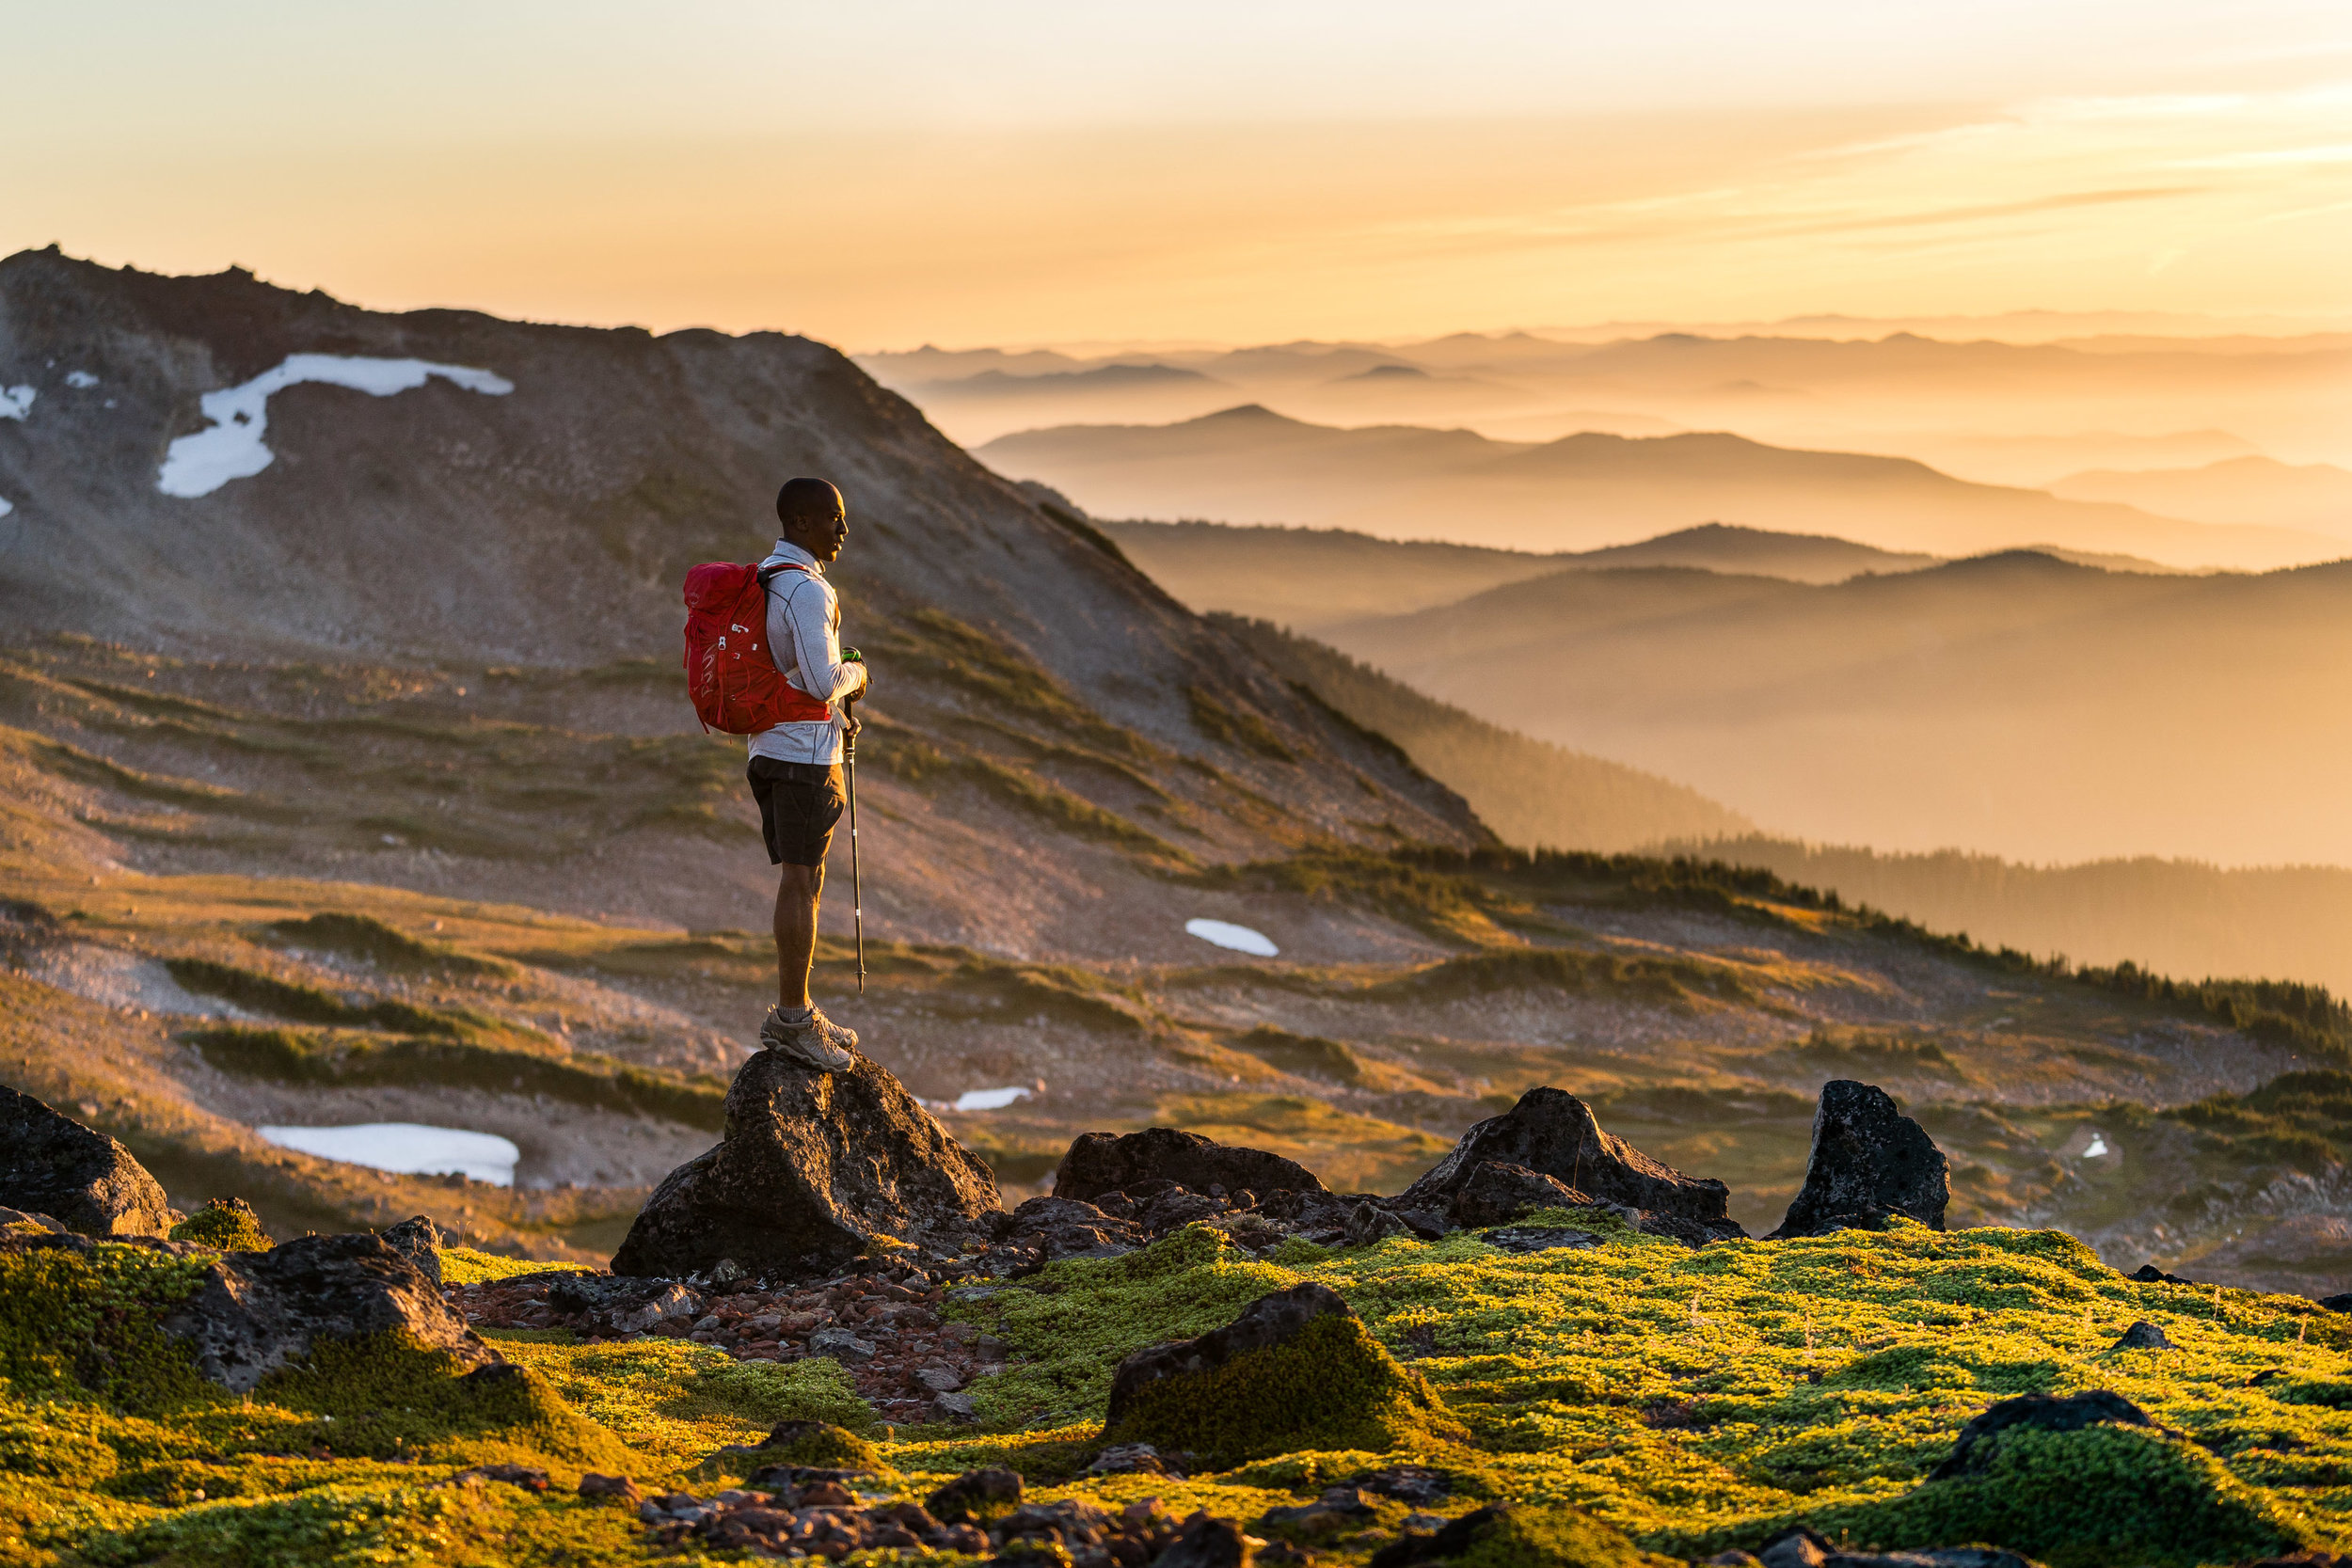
[[795, 768]]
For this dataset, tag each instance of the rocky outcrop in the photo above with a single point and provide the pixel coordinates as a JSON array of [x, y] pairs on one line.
[[1269, 1321], [1551, 1132], [1869, 1162], [258, 1311], [52, 1164], [1498, 1193], [2040, 1412], [812, 1169], [1099, 1162], [1803, 1547], [418, 1240]]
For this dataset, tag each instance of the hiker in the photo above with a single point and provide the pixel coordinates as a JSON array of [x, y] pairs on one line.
[[795, 768]]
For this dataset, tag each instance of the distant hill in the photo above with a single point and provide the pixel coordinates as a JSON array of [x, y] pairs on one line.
[[2013, 704], [1532, 794], [1580, 492], [2316, 495], [1307, 578], [2182, 917]]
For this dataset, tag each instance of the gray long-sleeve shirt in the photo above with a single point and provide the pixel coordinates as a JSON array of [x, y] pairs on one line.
[[804, 635]]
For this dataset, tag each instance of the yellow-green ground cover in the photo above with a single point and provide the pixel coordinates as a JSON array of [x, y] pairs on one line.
[[1689, 1400]]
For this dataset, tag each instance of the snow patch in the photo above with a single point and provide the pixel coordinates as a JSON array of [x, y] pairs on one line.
[[406, 1148], [16, 402], [6, 506], [231, 447], [82, 379], [1240, 939], [987, 1100], [2097, 1145]]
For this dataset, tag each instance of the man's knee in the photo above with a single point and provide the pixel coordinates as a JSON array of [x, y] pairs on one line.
[[802, 882]]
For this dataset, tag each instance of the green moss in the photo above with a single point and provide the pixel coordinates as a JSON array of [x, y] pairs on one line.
[[363, 936], [386, 1395], [2087, 1499], [466, 1266], [766, 1393], [1330, 1387], [80, 1327], [292, 1055], [304, 1003], [1552, 1536], [1671, 982], [228, 1223]]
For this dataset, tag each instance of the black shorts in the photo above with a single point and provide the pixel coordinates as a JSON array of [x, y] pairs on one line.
[[799, 803]]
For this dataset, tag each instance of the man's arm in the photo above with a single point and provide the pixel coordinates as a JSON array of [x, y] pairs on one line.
[[815, 646]]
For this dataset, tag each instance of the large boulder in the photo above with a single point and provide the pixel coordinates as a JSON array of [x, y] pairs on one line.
[[1551, 1132], [1870, 1162], [813, 1167], [1099, 1162], [1270, 1321], [53, 1165], [258, 1311]]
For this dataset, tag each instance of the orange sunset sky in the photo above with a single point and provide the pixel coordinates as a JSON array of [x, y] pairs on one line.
[[885, 174]]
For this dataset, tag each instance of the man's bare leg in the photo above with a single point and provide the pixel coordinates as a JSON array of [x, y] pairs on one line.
[[797, 898]]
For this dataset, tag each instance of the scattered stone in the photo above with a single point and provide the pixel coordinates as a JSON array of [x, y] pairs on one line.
[[1455, 1539], [1207, 1543], [2143, 1335], [1870, 1162], [977, 1495], [1132, 1459], [1369, 1224], [52, 1164], [1339, 1509], [1803, 1547], [16, 1221], [1551, 1132], [2336, 1304], [956, 1407], [841, 1344], [2043, 1412], [1099, 1162], [728, 1272], [620, 1489], [1538, 1238], [257, 1311], [675, 1304], [2147, 1274], [1418, 1485], [418, 1240], [513, 1475], [813, 1167]]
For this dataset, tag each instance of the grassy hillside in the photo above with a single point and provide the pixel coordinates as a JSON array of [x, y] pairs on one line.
[[2179, 916], [1529, 792], [2014, 704]]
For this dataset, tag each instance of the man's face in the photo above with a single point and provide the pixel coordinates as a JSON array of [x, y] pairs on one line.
[[820, 536]]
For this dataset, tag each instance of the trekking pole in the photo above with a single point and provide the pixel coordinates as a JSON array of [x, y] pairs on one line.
[[857, 889]]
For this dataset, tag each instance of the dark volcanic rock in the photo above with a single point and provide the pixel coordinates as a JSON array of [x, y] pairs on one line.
[[1551, 1132], [1870, 1161], [1062, 1227], [1268, 1321], [976, 1495], [2045, 1412], [1497, 1193], [2147, 1274], [813, 1165], [2143, 1336], [1456, 1540], [1099, 1162], [418, 1240], [84, 1180], [257, 1311]]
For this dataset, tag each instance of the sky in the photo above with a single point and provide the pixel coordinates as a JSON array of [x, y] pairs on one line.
[[891, 173]]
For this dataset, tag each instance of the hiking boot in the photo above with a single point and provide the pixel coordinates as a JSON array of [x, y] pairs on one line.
[[815, 1041]]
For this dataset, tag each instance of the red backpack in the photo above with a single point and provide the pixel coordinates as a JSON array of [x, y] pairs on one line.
[[730, 671]]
